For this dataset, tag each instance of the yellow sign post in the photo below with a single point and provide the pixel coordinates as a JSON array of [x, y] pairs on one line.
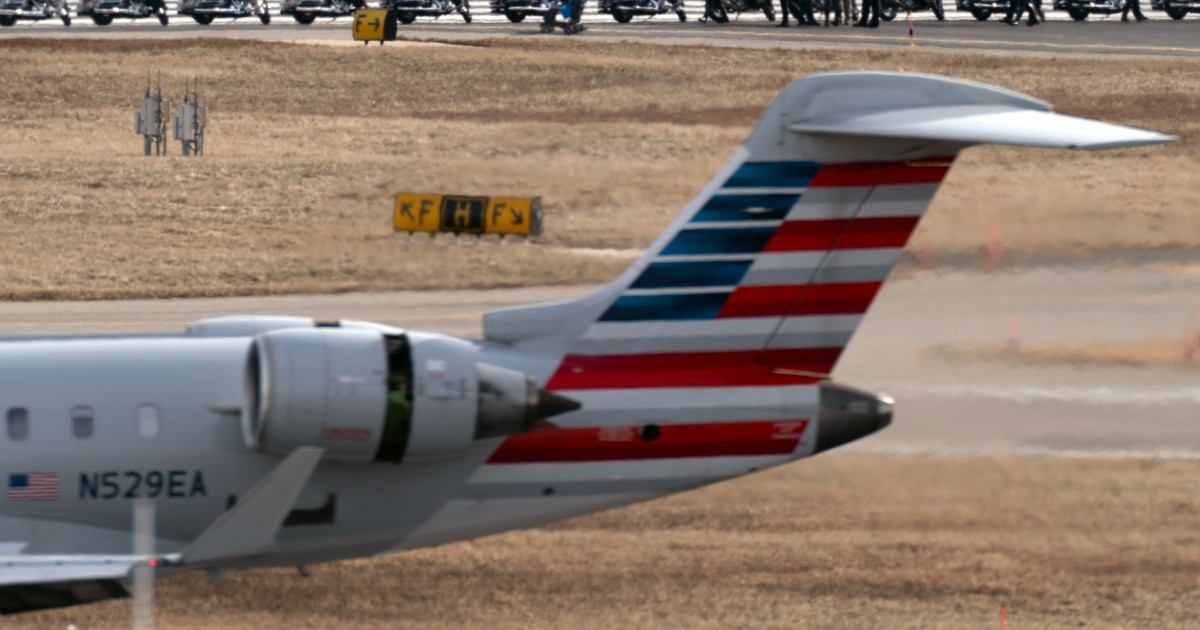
[[458, 214], [374, 25]]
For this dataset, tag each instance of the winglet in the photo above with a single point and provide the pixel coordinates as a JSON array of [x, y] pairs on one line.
[[249, 528], [937, 109]]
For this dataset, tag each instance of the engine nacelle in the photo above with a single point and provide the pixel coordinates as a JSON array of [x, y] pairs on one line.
[[250, 325], [367, 396]]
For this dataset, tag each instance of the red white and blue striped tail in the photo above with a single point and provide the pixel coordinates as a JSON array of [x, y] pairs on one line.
[[763, 278]]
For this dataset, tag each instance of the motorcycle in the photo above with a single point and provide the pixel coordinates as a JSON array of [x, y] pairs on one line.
[[625, 10], [13, 10], [984, 9], [205, 11], [891, 8], [719, 10], [1079, 10], [1176, 9], [407, 11], [306, 11], [103, 12], [517, 10]]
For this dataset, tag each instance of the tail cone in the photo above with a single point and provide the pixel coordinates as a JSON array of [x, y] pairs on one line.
[[848, 414], [551, 404]]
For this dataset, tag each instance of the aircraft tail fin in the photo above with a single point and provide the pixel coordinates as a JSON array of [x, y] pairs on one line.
[[764, 276]]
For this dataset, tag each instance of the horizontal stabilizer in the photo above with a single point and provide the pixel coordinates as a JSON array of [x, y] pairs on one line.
[[985, 124], [249, 528]]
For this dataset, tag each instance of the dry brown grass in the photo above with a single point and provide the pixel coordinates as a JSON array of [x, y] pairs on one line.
[[839, 542], [307, 144]]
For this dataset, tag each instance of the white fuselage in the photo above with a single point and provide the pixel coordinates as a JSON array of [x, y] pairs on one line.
[[195, 464]]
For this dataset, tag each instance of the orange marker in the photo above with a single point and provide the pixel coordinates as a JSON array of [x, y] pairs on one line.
[[1014, 332], [993, 246]]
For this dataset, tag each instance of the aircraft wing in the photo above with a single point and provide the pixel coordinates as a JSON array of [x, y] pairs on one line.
[[29, 582]]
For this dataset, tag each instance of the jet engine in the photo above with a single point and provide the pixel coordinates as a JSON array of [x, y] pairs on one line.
[[363, 395]]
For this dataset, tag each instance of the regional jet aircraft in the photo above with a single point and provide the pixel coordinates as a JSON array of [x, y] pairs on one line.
[[271, 441]]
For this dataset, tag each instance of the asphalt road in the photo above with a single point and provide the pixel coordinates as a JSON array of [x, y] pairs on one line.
[[943, 407], [1161, 37]]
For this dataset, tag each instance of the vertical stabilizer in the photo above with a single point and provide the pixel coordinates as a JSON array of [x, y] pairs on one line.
[[763, 278]]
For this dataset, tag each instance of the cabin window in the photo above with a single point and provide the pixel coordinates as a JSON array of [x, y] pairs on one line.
[[18, 423], [147, 421], [82, 422]]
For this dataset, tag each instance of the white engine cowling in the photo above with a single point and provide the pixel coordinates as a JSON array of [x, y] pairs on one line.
[[367, 396]]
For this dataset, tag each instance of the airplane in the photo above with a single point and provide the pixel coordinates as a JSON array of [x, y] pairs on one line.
[[284, 441]]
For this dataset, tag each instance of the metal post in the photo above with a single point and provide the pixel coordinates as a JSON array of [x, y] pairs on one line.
[[143, 571]]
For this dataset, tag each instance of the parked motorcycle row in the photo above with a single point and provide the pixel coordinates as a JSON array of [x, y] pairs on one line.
[[103, 12]]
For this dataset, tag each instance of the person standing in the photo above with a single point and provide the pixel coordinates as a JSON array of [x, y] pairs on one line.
[[806, 17], [843, 8], [1136, 5], [1016, 9], [869, 17]]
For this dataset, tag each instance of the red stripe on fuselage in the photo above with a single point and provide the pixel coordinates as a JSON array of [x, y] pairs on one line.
[[737, 368], [672, 441], [826, 234], [927, 171], [817, 299]]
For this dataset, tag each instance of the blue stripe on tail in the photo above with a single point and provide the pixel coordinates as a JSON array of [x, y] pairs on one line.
[[719, 241], [634, 308], [769, 207], [773, 175], [711, 273]]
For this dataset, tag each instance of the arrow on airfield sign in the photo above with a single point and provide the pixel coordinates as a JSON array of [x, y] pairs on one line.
[[374, 25]]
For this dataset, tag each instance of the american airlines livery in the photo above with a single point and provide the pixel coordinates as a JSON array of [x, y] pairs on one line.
[[271, 441]]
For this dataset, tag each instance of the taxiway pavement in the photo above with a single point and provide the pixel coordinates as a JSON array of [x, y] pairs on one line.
[[943, 406]]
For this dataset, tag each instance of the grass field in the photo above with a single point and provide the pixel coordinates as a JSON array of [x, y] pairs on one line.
[[308, 144], [842, 541]]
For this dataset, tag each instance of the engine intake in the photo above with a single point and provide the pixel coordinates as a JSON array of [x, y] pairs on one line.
[[367, 396]]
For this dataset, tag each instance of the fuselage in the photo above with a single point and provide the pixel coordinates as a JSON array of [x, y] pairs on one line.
[[117, 419]]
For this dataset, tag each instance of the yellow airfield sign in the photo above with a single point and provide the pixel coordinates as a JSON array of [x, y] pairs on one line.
[[374, 25], [461, 214]]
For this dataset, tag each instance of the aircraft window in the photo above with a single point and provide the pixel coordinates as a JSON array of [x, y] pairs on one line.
[[18, 423], [82, 422], [147, 419]]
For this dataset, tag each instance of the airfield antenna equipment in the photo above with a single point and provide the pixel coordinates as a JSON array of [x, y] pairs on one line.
[[143, 572], [150, 120], [191, 121]]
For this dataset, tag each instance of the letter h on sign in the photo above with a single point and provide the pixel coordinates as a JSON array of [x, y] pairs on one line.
[[463, 214]]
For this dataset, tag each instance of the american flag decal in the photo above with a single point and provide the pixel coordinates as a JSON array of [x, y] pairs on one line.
[[33, 487]]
